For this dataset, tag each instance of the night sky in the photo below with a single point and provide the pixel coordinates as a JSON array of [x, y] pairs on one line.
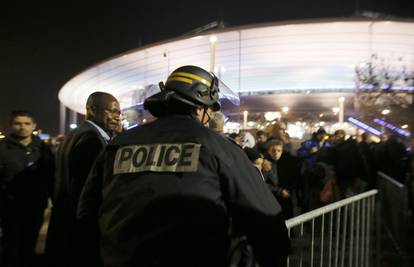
[[43, 45]]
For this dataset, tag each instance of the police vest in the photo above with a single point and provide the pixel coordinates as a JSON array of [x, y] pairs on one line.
[[182, 157]]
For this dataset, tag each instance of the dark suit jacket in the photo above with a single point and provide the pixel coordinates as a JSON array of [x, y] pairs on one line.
[[74, 161]]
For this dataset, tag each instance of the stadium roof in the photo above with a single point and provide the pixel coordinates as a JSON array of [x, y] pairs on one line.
[[278, 58]]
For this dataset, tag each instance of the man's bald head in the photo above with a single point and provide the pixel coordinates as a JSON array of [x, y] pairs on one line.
[[99, 99], [103, 109]]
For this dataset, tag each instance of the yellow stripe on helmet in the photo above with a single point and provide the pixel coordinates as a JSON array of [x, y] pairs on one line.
[[192, 76], [180, 79]]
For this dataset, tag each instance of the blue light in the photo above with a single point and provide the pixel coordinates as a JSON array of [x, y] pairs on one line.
[[385, 87], [392, 127], [364, 126], [132, 126]]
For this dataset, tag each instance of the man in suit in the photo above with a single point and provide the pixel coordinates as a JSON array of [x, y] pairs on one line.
[[74, 161]]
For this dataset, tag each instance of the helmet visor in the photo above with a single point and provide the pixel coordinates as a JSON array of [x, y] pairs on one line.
[[226, 92], [152, 89]]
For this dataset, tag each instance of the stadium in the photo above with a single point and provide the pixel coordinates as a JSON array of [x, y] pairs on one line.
[[304, 68]]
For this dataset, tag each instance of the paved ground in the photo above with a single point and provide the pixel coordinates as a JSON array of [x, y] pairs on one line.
[[393, 254]]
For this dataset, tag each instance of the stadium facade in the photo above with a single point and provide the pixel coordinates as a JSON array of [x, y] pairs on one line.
[[306, 65]]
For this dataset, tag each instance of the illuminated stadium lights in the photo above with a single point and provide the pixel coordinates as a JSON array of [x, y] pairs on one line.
[[319, 124], [326, 62], [405, 126], [270, 116], [295, 131], [392, 127], [364, 126], [395, 87], [385, 112], [213, 39], [231, 126]]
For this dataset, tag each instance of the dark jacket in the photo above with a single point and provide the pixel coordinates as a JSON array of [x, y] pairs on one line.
[[155, 212], [285, 172], [391, 158], [350, 167], [75, 158], [26, 173], [284, 175]]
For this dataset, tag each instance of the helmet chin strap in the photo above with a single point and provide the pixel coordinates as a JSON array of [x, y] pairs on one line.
[[204, 114]]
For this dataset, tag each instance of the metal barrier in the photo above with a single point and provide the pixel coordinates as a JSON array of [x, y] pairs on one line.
[[395, 212], [339, 234]]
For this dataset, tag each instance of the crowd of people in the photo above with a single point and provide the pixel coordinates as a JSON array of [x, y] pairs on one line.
[[323, 169], [173, 192]]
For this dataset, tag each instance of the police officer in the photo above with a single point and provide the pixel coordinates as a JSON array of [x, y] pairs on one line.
[[170, 190]]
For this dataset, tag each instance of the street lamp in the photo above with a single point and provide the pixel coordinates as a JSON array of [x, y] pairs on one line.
[[385, 112], [341, 101], [213, 41], [245, 113]]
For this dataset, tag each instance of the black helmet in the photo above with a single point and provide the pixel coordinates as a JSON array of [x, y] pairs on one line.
[[194, 86]]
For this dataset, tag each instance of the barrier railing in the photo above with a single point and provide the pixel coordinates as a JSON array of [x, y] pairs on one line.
[[339, 234], [395, 212]]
